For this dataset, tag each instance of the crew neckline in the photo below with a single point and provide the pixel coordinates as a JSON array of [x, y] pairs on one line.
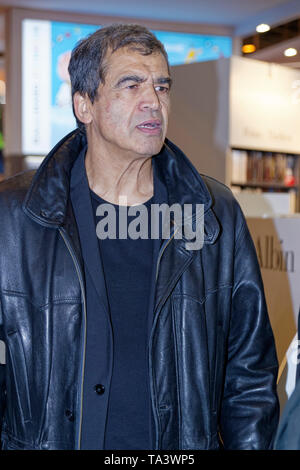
[[103, 201]]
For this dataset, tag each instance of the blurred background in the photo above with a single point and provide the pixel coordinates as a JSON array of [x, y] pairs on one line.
[[235, 111]]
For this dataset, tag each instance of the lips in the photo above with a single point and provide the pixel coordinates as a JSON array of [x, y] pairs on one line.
[[152, 126]]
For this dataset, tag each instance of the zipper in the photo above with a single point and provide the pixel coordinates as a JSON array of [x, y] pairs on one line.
[[83, 341], [156, 314]]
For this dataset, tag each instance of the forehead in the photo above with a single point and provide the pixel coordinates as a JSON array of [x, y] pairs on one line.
[[126, 60]]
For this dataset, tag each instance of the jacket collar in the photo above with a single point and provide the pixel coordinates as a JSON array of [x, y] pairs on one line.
[[184, 184], [47, 199]]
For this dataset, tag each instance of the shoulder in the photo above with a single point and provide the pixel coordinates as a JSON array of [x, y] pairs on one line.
[[223, 200], [16, 183], [198, 182], [226, 208], [215, 195], [13, 190], [217, 189]]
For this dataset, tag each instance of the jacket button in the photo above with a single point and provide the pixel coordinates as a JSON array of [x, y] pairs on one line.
[[69, 415], [99, 389]]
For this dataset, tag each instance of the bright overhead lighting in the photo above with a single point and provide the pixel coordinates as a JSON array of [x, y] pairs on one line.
[[262, 28], [290, 52], [248, 48]]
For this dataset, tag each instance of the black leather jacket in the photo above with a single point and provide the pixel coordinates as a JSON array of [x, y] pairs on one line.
[[212, 358]]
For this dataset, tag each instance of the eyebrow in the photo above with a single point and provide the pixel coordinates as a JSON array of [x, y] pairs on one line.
[[164, 80], [138, 79]]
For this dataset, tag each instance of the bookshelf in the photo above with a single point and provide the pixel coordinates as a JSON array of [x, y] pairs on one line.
[[266, 172]]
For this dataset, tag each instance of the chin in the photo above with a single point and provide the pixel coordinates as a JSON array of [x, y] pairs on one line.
[[149, 150]]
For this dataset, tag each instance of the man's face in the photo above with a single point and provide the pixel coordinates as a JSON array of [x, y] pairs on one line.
[[130, 115]]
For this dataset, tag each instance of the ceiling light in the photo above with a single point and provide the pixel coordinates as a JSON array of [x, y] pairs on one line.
[[248, 48], [262, 28], [290, 52]]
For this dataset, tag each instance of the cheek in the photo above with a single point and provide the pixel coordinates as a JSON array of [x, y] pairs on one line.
[[166, 112], [110, 115], [118, 112], [112, 103]]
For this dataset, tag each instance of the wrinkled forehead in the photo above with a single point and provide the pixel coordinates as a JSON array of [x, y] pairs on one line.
[[134, 55]]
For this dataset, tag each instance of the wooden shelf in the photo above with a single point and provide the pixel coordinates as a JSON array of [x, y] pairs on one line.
[[266, 185]]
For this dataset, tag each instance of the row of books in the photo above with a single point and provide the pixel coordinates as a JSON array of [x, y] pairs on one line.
[[249, 166]]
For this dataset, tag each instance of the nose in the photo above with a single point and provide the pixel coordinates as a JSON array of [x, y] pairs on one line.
[[150, 99]]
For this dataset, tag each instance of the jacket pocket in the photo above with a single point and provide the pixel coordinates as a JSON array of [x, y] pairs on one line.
[[16, 355]]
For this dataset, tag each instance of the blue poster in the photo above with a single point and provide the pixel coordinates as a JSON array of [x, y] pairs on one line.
[[64, 37], [183, 48]]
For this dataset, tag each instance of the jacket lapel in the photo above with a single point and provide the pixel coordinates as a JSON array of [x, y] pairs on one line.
[[81, 202], [184, 186], [175, 261], [174, 258]]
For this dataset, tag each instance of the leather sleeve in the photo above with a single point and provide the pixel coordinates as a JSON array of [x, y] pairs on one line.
[[2, 378], [250, 410]]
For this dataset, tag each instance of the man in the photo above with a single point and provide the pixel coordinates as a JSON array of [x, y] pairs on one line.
[[129, 342]]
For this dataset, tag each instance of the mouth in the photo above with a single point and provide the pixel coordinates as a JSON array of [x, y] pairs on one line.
[[152, 127]]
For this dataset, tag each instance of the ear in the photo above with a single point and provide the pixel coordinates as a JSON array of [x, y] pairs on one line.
[[82, 108]]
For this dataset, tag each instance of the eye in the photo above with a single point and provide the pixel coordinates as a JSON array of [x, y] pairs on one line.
[[132, 87], [162, 89]]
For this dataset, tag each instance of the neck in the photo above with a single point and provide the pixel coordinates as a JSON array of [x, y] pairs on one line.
[[115, 178]]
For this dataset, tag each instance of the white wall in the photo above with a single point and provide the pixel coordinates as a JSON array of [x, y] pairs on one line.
[[199, 121]]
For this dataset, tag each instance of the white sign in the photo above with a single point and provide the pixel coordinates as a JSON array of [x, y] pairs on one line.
[[264, 106], [278, 250]]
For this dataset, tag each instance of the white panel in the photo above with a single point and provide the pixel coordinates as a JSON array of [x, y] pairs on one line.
[[264, 204], [264, 106], [278, 249], [199, 116], [36, 86]]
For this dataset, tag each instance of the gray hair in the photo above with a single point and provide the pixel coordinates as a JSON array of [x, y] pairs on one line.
[[87, 64]]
